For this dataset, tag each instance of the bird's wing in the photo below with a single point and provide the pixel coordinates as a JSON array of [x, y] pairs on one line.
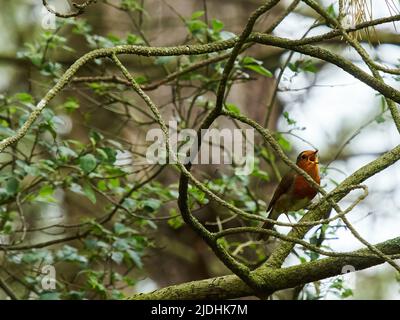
[[282, 188]]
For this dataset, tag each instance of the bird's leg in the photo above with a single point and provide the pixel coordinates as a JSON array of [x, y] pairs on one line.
[[287, 216]]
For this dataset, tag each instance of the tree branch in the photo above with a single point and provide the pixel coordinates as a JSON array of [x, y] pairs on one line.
[[230, 287], [80, 8]]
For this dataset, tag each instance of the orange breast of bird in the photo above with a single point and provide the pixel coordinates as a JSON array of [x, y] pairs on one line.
[[302, 189]]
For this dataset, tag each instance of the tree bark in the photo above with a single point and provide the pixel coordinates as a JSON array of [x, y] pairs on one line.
[[229, 287]]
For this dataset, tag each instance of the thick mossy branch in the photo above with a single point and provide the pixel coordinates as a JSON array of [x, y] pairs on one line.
[[230, 287]]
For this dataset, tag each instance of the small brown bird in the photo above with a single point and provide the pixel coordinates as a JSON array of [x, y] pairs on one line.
[[294, 192]]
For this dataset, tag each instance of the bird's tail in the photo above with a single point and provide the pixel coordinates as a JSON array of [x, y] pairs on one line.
[[274, 215]]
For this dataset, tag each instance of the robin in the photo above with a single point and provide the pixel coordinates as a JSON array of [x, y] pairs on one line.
[[294, 192]]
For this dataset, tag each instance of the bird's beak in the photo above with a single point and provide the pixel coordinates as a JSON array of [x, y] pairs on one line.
[[315, 157]]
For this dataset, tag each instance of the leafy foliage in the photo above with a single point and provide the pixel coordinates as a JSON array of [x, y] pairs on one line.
[[78, 205]]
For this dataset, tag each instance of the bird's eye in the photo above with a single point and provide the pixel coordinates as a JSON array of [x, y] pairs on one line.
[[303, 156]]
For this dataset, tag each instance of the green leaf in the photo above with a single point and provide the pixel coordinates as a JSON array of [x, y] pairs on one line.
[[75, 295], [71, 254], [46, 194], [288, 119], [117, 257], [87, 163], [141, 79], [36, 255], [232, 108], [89, 192], [133, 39], [197, 14], [250, 60], [250, 206], [71, 105], [134, 256], [50, 296], [95, 284], [46, 190], [331, 11], [131, 204], [110, 155], [102, 154], [113, 38], [379, 119], [117, 295], [173, 193], [66, 152], [293, 67], [217, 25], [151, 205], [96, 136], [303, 65], [101, 184], [260, 174], [176, 220], [256, 66], [24, 97], [309, 66], [285, 144], [196, 25], [114, 183], [7, 228], [132, 5], [259, 69], [12, 185], [121, 229], [347, 293]]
